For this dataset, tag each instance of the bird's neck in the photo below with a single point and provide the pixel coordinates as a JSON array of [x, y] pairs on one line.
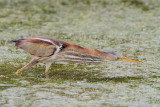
[[85, 54]]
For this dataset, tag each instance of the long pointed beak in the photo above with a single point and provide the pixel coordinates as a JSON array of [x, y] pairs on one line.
[[128, 60]]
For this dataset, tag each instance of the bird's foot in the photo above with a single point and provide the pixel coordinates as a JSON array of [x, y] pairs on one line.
[[47, 76], [18, 71]]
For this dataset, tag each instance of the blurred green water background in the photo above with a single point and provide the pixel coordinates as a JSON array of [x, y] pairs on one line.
[[127, 27]]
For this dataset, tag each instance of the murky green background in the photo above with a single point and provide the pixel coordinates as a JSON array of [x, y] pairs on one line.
[[127, 27]]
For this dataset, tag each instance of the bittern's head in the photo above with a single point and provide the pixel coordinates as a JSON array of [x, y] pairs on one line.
[[128, 60], [117, 57]]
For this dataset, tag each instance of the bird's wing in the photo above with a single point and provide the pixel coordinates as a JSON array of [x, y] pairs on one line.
[[38, 48]]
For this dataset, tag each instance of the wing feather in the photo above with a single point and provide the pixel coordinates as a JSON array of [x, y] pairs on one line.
[[38, 48]]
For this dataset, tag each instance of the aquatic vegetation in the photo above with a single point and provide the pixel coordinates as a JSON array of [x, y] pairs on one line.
[[127, 27]]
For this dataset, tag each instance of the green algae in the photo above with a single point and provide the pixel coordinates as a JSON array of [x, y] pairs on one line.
[[127, 27]]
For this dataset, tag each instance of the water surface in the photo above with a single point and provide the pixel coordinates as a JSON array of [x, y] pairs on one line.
[[130, 28]]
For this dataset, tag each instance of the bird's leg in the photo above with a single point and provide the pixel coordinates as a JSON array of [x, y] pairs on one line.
[[30, 64], [48, 64]]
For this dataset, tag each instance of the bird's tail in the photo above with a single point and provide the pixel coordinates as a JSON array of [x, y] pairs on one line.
[[17, 41]]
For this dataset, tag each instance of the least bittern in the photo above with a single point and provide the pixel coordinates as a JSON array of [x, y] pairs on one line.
[[49, 50]]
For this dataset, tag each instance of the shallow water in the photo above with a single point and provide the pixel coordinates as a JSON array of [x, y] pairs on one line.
[[131, 29]]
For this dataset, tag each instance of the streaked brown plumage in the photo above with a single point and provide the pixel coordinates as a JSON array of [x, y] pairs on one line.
[[49, 50]]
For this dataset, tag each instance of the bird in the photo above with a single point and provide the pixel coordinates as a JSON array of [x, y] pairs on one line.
[[48, 50]]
